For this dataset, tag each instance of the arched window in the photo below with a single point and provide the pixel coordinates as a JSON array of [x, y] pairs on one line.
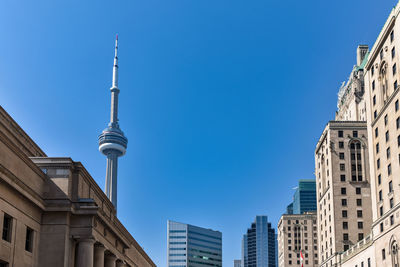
[[394, 251], [383, 81]]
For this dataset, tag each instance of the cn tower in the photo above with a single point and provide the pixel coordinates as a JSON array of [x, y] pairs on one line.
[[112, 141]]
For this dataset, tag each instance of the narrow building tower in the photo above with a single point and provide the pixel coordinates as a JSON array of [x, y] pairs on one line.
[[112, 141]]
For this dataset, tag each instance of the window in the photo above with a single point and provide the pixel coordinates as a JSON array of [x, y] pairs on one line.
[[375, 114], [369, 262], [342, 167], [7, 227], [377, 148], [3, 264], [394, 69], [379, 179], [389, 169], [358, 190], [359, 213], [360, 225], [373, 85], [387, 136], [355, 134], [381, 227], [391, 202], [374, 100], [29, 239], [393, 52], [386, 119], [345, 225], [380, 195], [381, 210], [388, 153], [372, 71], [345, 247], [376, 132], [378, 163], [383, 254], [344, 202], [340, 133], [360, 236], [398, 123], [343, 190], [396, 105], [341, 145], [359, 202], [345, 237], [390, 187], [341, 155], [381, 54], [391, 220], [342, 177], [344, 213], [395, 85], [392, 36]]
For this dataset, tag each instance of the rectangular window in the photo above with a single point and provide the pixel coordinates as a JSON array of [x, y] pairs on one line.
[[380, 195], [388, 153], [7, 227], [375, 114], [394, 69], [386, 119], [378, 163], [377, 148], [3, 264], [376, 132], [360, 225], [359, 202], [344, 202], [390, 186], [381, 210], [344, 213], [372, 71], [29, 239], [387, 136], [393, 52], [358, 190], [374, 100], [345, 237], [360, 236], [341, 155], [373, 85], [383, 254], [379, 179], [389, 169], [340, 133], [395, 85], [359, 213], [396, 105], [343, 190], [355, 133], [342, 167], [398, 140], [391, 202], [341, 145], [398, 123], [345, 225], [343, 178], [391, 220], [391, 36]]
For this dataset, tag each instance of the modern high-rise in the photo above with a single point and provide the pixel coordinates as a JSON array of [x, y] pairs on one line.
[[193, 246], [342, 172], [304, 198], [237, 263], [298, 240], [259, 244]]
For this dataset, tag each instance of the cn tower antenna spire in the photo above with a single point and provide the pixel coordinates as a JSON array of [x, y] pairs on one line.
[[112, 141]]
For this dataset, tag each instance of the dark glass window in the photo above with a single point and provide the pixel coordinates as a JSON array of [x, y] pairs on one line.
[[7, 227], [377, 148], [387, 136], [388, 153], [392, 36], [375, 114], [373, 85], [391, 220], [345, 237], [374, 100], [396, 105], [344, 202], [383, 253], [380, 195], [359, 213], [355, 134], [389, 169], [29, 239], [391, 203], [341, 155], [360, 236], [398, 123], [345, 225], [341, 145], [390, 186], [340, 133], [359, 202], [393, 52], [394, 69], [342, 177], [343, 190], [358, 190], [344, 213], [379, 179], [376, 132], [360, 225]]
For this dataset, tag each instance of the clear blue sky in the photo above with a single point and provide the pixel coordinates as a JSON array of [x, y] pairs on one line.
[[222, 101]]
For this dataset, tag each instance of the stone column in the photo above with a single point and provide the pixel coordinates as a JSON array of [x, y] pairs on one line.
[[84, 252], [99, 255], [120, 263], [110, 260]]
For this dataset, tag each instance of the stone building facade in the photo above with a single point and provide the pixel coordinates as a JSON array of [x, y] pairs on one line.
[[298, 233], [52, 212], [343, 188]]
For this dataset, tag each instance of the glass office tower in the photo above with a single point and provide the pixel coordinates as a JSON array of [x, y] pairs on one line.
[[192, 246], [259, 244], [305, 197]]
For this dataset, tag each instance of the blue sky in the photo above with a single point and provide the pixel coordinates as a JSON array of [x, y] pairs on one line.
[[222, 101]]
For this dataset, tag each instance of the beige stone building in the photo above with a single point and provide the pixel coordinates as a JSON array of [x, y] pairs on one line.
[[343, 189], [298, 232], [52, 212]]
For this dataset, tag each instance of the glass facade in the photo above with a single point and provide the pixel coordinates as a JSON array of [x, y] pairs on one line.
[[305, 197], [259, 244], [192, 246]]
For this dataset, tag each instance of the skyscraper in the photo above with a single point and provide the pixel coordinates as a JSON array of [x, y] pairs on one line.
[[112, 141], [193, 246], [237, 263], [305, 197], [259, 244]]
